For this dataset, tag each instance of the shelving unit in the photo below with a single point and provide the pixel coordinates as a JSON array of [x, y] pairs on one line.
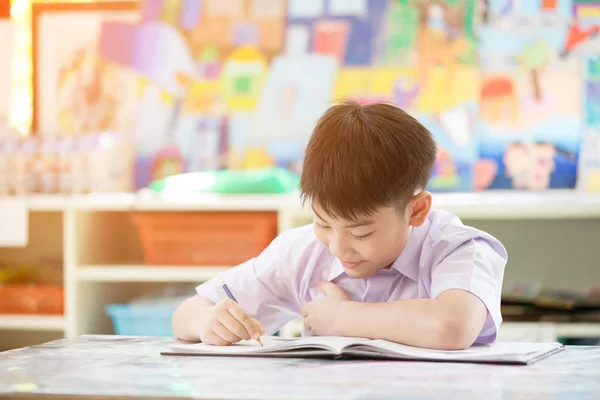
[[511, 205], [547, 331], [45, 226], [32, 322], [551, 238], [146, 273]]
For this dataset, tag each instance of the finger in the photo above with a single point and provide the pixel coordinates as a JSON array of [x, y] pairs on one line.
[[224, 333], [334, 291], [242, 316], [307, 327], [233, 325], [259, 326], [304, 310], [225, 304], [214, 339]]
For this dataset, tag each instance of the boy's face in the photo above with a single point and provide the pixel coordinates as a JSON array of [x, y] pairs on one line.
[[371, 244]]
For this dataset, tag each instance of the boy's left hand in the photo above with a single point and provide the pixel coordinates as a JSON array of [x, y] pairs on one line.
[[320, 315]]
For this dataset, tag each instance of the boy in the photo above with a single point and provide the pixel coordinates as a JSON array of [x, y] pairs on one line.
[[378, 262]]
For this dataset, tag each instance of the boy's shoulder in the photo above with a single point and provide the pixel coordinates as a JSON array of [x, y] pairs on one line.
[[448, 227], [298, 238], [445, 232], [299, 246]]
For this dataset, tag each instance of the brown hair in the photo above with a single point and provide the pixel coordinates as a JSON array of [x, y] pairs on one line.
[[360, 158]]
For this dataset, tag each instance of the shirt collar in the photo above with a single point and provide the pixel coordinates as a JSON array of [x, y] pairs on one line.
[[407, 262], [336, 269]]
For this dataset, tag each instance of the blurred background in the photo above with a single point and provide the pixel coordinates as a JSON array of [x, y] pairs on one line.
[[148, 145]]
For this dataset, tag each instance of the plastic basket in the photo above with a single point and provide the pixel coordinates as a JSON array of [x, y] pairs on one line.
[[141, 320], [204, 239], [31, 299]]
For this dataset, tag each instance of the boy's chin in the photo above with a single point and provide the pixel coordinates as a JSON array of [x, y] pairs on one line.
[[363, 271], [359, 273]]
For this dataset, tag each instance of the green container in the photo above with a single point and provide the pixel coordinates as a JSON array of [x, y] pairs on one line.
[[254, 181]]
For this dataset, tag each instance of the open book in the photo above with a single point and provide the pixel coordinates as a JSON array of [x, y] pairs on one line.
[[340, 347]]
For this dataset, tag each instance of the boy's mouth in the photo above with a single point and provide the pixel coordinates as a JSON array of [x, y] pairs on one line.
[[350, 265]]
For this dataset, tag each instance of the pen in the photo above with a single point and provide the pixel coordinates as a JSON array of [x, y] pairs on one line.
[[232, 297]]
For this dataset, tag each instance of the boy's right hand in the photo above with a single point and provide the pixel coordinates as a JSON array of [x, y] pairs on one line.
[[228, 323]]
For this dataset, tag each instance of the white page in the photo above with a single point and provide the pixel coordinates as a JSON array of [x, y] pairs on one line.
[[499, 351], [271, 344], [237, 348], [336, 343]]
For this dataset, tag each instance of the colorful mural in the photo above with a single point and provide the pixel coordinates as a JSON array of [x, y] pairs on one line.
[[530, 99], [240, 83]]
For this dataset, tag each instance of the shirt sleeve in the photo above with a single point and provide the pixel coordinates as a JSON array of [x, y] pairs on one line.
[[259, 287], [476, 265]]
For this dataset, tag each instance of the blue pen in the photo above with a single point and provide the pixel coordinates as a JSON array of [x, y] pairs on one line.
[[232, 297]]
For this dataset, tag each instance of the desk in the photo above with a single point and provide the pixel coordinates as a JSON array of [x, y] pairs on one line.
[[99, 367]]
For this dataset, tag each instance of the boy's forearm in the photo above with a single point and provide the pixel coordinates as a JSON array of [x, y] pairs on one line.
[[416, 322], [190, 317]]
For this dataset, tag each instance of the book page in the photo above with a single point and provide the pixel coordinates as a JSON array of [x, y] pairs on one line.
[[335, 343], [498, 351], [272, 344], [237, 348]]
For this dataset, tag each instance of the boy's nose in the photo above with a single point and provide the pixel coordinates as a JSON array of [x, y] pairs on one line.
[[340, 249]]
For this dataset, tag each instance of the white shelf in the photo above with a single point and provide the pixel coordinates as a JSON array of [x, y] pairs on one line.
[[208, 202], [32, 322], [148, 201], [144, 273], [555, 204], [550, 331], [45, 203], [578, 330]]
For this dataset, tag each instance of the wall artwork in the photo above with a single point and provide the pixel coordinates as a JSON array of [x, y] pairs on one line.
[[74, 90], [530, 97], [218, 84], [588, 179], [267, 69], [422, 57]]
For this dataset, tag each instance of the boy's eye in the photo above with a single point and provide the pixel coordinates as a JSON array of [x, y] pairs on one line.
[[321, 226], [362, 236]]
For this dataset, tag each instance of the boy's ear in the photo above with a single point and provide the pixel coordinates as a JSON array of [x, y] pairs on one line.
[[419, 207]]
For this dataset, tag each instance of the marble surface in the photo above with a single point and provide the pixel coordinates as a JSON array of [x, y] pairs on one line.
[[130, 367]]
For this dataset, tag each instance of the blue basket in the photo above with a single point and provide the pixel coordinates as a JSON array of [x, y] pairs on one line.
[[141, 320]]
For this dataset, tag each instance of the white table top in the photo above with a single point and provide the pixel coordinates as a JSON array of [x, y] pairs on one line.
[[125, 367]]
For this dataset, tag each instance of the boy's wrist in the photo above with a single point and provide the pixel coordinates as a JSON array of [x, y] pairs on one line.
[[345, 318]]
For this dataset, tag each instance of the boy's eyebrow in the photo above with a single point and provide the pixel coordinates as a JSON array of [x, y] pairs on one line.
[[360, 223], [353, 225]]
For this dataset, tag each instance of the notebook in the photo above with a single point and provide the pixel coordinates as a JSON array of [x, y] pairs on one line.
[[348, 347]]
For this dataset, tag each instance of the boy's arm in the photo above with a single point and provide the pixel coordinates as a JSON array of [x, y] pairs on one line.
[[190, 318], [464, 306], [262, 289], [199, 319], [451, 321]]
